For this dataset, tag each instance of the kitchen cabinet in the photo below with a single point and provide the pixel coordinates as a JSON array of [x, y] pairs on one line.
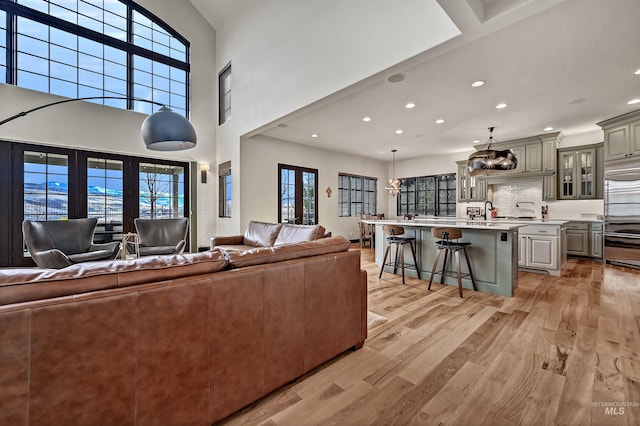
[[596, 242], [529, 157], [469, 188], [539, 248], [578, 235], [577, 173], [549, 184], [621, 136]]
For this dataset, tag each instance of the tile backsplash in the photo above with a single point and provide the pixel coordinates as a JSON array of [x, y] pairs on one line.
[[528, 195]]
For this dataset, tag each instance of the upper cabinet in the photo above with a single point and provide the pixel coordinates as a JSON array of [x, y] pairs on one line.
[[578, 173], [621, 136], [469, 188]]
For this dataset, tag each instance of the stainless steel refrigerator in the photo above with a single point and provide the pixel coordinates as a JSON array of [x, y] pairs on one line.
[[622, 214]]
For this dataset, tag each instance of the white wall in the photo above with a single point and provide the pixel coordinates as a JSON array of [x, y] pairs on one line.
[[288, 54], [89, 126], [259, 174]]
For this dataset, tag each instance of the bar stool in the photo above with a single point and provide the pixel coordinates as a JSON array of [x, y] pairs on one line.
[[397, 239], [446, 236]]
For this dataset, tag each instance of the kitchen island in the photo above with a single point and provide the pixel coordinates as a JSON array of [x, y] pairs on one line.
[[493, 253]]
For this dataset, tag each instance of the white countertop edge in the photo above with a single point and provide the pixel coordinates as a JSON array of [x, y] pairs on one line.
[[463, 224]]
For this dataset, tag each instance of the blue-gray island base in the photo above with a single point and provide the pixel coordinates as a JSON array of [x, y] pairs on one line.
[[493, 252]]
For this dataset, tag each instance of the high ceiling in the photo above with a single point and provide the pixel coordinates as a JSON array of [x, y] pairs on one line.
[[561, 64]]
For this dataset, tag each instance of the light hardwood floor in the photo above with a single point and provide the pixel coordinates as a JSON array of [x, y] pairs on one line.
[[556, 353]]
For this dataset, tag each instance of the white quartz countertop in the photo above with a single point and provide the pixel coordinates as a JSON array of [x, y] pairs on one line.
[[495, 224], [458, 223]]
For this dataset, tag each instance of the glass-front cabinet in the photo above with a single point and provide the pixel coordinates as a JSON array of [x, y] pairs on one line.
[[470, 188], [577, 174]]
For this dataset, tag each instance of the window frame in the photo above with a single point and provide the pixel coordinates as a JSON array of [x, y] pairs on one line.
[[346, 191], [224, 94], [14, 10], [298, 195], [408, 199], [224, 196]]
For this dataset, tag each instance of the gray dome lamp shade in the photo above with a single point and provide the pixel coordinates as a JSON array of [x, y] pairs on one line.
[[488, 161], [165, 130]]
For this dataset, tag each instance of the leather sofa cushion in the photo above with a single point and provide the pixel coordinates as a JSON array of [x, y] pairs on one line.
[[297, 233], [25, 284], [283, 252], [261, 234]]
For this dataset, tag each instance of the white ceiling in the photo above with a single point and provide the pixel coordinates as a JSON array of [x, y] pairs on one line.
[[565, 64]]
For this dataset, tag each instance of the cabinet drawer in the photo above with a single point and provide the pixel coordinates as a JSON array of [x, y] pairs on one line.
[[539, 230], [582, 226], [597, 227]]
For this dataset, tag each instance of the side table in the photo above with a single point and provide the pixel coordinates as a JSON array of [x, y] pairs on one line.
[[134, 239]]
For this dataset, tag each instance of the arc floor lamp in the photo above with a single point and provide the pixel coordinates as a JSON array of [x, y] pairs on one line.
[[164, 130]]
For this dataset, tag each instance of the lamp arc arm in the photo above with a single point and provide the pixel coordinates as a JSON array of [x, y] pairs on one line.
[[64, 101]]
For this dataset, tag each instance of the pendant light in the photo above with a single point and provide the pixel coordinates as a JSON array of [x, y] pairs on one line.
[[393, 186], [488, 161]]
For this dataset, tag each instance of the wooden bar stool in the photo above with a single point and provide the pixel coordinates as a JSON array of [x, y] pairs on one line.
[[446, 236], [396, 238]]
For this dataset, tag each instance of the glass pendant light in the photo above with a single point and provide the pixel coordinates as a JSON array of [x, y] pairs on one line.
[[393, 186], [489, 161]]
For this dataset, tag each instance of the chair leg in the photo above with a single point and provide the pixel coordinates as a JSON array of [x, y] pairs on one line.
[[444, 265], [457, 256], [433, 270], [395, 264], [473, 279], [401, 248], [384, 261], [415, 260]]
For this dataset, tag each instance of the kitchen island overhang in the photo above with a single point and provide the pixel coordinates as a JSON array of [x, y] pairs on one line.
[[493, 252]]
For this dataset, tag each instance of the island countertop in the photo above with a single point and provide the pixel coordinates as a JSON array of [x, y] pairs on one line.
[[496, 225]]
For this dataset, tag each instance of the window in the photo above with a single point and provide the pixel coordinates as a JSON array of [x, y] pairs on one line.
[[224, 189], [161, 191], [224, 94], [298, 195], [356, 195], [53, 183], [46, 186], [91, 48], [428, 195]]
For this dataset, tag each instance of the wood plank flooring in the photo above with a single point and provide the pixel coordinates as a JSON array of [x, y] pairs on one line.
[[564, 351]]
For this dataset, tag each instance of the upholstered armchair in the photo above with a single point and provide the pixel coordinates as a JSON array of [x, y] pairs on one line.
[[57, 244], [160, 236]]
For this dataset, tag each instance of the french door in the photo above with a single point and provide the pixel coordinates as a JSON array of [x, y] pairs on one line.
[[298, 195]]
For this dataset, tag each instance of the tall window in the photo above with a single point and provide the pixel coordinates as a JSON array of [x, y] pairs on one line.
[[105, 197], [224, 189], [428, 195], [298, 195], [356, 195], [224, 94], [46, 186], [161, 191], [88, 48]]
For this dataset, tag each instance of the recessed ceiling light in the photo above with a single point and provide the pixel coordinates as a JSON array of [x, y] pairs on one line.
[[396, 78], [548, 129], [476, 141], [399, 132], [366, 118], [314, 135], [637, 72], [501, 105], [478, 83], [439, 121], [410, 105], [634, 101]]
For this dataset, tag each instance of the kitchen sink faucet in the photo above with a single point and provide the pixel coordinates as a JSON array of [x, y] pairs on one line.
[[485, 208]]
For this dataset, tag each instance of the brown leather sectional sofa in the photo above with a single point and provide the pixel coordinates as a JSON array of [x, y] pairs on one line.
[[183, 339]]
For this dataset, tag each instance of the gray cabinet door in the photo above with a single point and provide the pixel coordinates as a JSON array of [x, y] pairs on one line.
[[616, 142], [533, 157], [578, 242]]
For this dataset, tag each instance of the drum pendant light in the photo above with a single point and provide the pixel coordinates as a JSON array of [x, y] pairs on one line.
[[488, 161]]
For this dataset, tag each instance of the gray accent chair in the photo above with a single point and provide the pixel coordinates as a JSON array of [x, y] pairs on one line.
[[56, 244], [160, 236]]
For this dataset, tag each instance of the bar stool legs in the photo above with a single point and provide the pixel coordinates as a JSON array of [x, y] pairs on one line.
[[399, 258], [447, 245]]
